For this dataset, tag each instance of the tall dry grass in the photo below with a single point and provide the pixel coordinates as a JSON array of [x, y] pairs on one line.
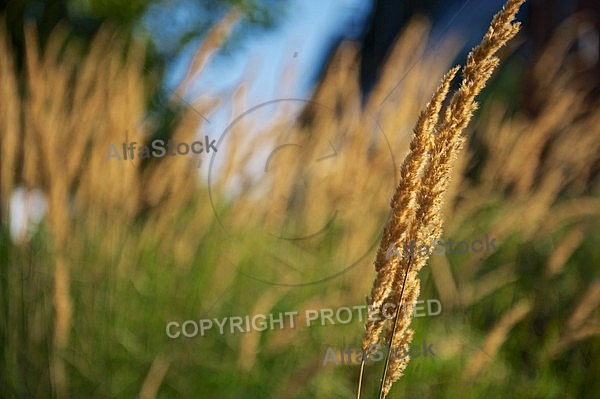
[[418, 200], [544, 192], [55, 138]]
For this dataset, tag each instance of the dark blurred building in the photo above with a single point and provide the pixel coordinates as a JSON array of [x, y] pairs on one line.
[[542, 17], [387, 20], [543, 20]]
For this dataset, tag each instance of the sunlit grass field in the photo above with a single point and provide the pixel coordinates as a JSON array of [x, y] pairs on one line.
[[127, 247]]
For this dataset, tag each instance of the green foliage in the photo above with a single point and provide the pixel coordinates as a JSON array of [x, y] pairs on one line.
[[120, 316]]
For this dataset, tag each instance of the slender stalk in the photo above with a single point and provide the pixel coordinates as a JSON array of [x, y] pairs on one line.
[[387, 358], [360, 377]]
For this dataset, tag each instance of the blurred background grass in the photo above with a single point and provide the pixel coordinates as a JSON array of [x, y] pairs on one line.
[[126, 247]]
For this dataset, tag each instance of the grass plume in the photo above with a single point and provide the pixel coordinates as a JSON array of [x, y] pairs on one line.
[[419, 197]]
